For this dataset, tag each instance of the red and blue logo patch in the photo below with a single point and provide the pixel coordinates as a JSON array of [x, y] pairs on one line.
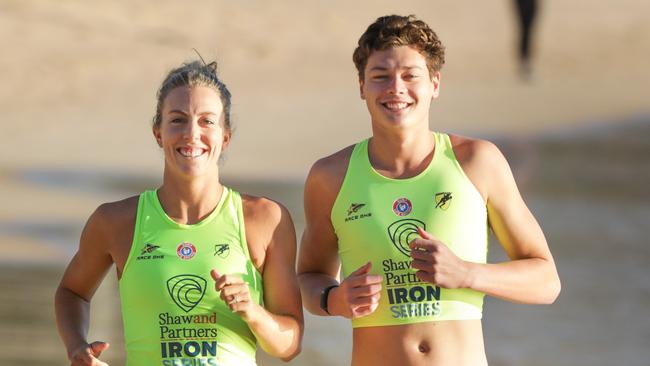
[[402, 207], [185, 251]]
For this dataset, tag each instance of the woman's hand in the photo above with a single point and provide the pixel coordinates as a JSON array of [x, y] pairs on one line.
[[87, 354], [234, 292]]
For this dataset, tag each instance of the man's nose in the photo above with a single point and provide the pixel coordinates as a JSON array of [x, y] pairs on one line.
[[397, 85]]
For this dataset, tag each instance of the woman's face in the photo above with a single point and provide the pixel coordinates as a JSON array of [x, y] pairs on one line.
[[191, 132]]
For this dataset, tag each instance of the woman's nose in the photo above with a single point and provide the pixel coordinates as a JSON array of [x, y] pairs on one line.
[[192, 130]]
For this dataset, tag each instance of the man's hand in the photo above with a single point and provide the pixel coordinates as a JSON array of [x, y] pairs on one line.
[[437, 264], [357, 296]]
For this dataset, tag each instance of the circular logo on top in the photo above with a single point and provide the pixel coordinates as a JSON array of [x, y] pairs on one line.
[[402, 207], [185, 251]]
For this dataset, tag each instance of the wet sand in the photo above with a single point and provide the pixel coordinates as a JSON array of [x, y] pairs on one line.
[[588, 189]]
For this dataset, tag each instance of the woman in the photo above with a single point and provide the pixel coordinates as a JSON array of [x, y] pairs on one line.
[[195, 260]]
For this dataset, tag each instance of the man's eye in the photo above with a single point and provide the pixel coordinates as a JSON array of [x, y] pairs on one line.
[[177, 120]]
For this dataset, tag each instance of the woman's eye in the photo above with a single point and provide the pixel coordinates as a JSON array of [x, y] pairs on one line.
[[209, 122]]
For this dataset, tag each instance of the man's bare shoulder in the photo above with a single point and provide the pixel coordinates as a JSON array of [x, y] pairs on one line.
[[482, 162], [331, 169], [473, 152]]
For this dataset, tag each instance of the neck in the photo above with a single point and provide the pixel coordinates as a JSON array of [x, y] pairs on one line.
[[402, 153], [188, 201]]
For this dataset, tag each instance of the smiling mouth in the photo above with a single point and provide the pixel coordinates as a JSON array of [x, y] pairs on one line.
[[189, 152], [396, 106]]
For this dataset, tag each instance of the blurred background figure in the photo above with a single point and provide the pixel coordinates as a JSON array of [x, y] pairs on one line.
[[526, 11]]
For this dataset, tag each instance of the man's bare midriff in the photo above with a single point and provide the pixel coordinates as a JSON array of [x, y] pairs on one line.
[[454, 342]]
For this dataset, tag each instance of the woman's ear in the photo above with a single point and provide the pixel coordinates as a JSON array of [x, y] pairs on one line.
[[156, 135], [226, 140]]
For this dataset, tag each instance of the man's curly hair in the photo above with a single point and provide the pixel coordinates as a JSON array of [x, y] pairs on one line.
[[395, 30]]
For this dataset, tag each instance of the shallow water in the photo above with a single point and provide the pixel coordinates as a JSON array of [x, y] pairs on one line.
[[588, 189]]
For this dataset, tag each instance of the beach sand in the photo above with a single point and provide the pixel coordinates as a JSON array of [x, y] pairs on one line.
[[78, 93], [84, 74]]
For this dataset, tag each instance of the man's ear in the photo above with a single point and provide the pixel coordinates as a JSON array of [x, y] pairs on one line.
[[361, 94], [435, 80]]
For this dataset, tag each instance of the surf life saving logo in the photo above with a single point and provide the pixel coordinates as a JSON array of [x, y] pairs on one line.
[[443, 200], [402, 207], [403, 232], [186, 290], [185, 251], [222, 250]]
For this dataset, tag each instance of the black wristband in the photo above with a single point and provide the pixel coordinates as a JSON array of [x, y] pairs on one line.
[[324, 296]]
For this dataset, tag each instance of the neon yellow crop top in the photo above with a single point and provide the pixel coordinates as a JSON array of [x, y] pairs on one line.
[[172, 313], [375, 218]]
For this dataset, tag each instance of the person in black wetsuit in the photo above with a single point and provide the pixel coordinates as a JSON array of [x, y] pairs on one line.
[[526, 13]]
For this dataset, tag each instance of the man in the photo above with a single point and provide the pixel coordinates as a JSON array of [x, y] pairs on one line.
[[404, 217]]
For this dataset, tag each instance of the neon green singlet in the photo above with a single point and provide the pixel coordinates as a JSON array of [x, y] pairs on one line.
[[375, 218], [172, 314]]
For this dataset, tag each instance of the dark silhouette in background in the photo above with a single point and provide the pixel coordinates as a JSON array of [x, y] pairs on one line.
[[526, 11]]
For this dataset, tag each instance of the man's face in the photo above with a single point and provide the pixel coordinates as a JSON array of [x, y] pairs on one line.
[[397, 87]]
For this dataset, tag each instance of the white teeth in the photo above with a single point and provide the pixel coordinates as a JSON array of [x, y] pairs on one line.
[[396, 105], [190, 153]]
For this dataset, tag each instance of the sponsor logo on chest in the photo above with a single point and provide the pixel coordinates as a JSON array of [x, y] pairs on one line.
[[149, 251], [189, 339], [355, 212]]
